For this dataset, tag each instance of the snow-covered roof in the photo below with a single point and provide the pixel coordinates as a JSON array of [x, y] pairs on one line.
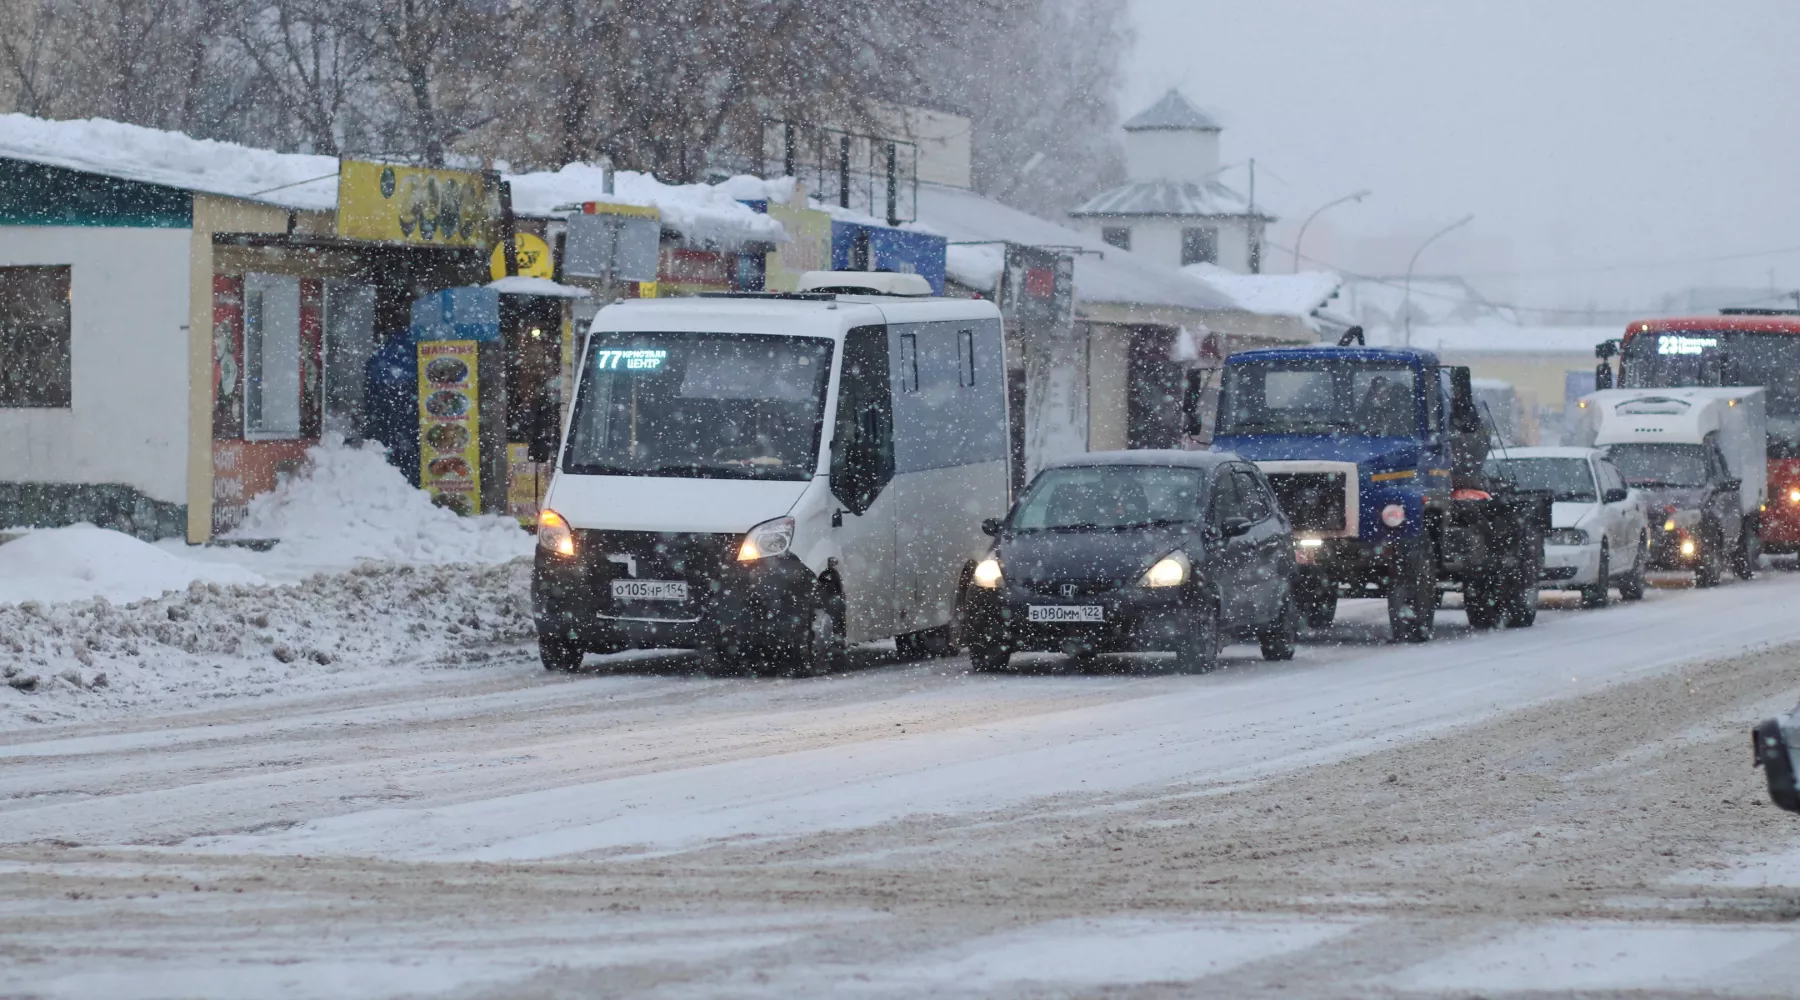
[[1103, 274], [1494, 336], [1274, 294], [1172, 111], [705, 214], [519, 284], [172, 159], [1167, 198]]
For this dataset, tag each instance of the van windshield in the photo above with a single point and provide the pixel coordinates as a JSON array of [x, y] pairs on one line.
[[699, 405], [1653, 465]]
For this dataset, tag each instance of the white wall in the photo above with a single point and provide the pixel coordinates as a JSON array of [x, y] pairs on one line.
[[129, 344], [1171, 155], [1159, 239]]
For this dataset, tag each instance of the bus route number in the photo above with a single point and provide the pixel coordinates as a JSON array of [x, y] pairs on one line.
[[642, 360]]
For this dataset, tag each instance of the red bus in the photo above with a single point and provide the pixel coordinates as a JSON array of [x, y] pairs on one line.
[[1737, 347]]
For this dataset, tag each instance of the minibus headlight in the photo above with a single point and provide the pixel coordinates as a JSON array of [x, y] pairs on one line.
[[554, 535], [987, 573], [770, 538], [1170, 571]]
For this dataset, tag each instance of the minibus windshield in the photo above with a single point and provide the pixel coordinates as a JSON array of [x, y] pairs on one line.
[[699, 405]]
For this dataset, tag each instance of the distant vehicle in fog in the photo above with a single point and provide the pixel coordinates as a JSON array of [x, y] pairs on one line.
[[1599, 538], [768, 478], [1134, 551]]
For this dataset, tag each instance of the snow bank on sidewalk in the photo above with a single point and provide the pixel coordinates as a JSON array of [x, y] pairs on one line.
[[373, 626], [83, 562], [350, 505]]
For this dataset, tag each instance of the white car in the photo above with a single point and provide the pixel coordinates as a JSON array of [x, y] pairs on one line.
[[1599, 537]]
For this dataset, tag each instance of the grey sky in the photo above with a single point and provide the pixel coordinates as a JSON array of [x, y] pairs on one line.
[[1581, 133]]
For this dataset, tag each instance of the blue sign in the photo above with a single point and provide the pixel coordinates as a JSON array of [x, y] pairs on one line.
[[899, 250], [457, 314]]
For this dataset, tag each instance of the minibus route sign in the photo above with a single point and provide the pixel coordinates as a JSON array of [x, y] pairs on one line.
[[640, 360], [1675, 343]]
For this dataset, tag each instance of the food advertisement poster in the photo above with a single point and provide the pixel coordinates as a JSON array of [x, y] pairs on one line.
[[449, 445], [526, 483], [390, 203]]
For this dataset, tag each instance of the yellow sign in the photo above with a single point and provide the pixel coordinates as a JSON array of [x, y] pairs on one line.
[[808, 247], [418, 205], [449, 424], [647, 289], [531, 253]]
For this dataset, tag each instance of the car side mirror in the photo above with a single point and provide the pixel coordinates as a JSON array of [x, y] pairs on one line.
[[1730, 484], [991, 525], [1615, 495], [1232, 527]]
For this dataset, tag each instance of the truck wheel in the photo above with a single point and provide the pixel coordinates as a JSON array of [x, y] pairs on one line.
[[1412, 595], [1481, 602], [560, 655], [1748, 553], [1599, 593], [1631, 587], [1278, 640], [1711, 567], [1522, 608]]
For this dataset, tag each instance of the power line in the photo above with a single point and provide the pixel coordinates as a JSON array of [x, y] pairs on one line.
[[1640, 265]]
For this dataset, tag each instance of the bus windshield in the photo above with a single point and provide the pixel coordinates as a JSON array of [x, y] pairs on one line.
[[700, 405], [1318, 396], [1672, 359]]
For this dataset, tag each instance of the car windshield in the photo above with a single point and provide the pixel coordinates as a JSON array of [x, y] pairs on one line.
[[1110, 496], [1660, 464], [1570, 480], [700, 405], [1322, 396]]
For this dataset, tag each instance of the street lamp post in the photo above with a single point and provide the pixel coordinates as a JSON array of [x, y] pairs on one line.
[[1406, 299], [1358, 196]]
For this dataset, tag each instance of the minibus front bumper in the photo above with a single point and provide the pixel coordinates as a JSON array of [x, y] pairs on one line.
[[729, 603]]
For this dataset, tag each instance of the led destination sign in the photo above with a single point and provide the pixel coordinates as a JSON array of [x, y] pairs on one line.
[[641, 360], [1675, 343]]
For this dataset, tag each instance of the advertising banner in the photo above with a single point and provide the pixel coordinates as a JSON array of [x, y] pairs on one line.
[[615, 242], [808, 247], [449, 421], [388, 203], [531, 258]]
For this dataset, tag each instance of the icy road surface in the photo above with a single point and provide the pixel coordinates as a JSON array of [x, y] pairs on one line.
[[1555, 808]]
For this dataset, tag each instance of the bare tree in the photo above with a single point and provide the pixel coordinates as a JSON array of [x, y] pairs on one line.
[[311, 64], [32, 34], [443, 63]]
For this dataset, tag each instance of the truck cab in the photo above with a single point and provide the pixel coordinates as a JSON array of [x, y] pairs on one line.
[[1376, 455]]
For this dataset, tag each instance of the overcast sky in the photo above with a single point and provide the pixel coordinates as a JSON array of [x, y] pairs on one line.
[[1581, 133]]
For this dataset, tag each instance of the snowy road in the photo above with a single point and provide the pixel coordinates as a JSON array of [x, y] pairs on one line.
[[910, 828]]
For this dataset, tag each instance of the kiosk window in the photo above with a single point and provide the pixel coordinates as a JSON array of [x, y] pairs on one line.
[[35, 357]]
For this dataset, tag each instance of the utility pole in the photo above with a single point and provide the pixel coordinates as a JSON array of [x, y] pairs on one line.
[[1406, 300], [1358, 196], [1255, 225]]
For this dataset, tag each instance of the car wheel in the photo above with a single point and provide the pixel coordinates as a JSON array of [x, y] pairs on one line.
[[1711, 568], [560, 655], [1599, 593], [1631, 587], [1412, 595], [1278, 641], [928, 644], [1748, 553], [1199, 649], [987, 657]]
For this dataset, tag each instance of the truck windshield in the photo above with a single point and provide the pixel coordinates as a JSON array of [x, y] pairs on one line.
[[1568, 480], [1654, 465], [699, 405], [1318, 396], [1109, 496]]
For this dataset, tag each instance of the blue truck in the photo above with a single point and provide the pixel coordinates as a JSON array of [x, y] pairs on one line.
[[1378, 458]]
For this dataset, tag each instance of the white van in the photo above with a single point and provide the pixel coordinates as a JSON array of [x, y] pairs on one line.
[[769, 478]]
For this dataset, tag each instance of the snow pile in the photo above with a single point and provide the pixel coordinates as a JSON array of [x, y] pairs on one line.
[[976, 266], [83, 562], [370, 626], [705, 214], [348, 505], [172, 159]]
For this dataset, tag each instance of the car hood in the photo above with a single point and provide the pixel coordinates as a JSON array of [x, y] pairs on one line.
[[1124, 554], [1568, 514], [1371, 454]]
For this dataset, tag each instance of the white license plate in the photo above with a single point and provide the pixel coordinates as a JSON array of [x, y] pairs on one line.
[[1067, 613], [649, 590]]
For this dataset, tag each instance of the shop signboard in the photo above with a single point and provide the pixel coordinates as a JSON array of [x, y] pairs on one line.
[[808, 247], [1037, 288], [526, 483], [449, 424], [886, 249], [531, 257], [615, 242], [424, 206]]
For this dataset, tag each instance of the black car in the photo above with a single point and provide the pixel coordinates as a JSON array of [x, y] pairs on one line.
[[1135, 551]]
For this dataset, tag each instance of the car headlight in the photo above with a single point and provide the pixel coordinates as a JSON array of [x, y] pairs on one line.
[[1688, 547], [1170, 571], [987, 573], [1567, 536], [1793, 496], [554, 534], [770, 538], [1393, 515]]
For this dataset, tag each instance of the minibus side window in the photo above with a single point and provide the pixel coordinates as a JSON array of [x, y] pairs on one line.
[[862, 447]]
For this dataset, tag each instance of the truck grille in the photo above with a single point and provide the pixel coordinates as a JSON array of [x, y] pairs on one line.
[[1314, 501]]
